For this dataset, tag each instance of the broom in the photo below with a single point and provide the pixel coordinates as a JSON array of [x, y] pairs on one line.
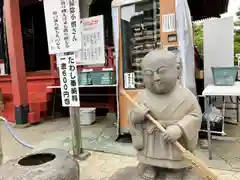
[[200, 166]]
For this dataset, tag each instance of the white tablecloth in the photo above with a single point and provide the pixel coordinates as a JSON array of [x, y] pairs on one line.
[[212, 90]]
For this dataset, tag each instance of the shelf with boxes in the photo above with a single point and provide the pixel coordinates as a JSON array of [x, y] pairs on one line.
[[91, 77], [103, 75], [103, 95], [99, 75], [103, 79]]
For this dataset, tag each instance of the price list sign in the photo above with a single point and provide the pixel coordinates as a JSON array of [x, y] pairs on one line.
[[63, 25], [93, 46], [68, 79]]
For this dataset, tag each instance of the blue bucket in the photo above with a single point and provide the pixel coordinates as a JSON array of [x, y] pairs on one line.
[[224, 76]]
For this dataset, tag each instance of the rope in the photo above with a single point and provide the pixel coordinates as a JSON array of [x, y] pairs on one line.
[[14, 135]]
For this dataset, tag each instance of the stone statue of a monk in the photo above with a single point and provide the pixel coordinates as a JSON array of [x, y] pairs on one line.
[[175, 108]]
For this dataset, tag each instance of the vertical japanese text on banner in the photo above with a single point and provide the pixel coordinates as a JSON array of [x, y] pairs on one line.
[[63, 25], [68, 79]]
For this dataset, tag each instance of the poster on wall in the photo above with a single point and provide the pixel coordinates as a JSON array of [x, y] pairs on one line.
[[93, 46], [169, 22], [68, 79], [63, 25]]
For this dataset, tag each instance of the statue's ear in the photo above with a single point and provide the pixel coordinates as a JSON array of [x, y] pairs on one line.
[[161, 46]]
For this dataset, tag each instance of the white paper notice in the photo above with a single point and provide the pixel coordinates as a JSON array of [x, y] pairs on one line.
[[68, 79], [63, 25], [169, 22], [93, 46]]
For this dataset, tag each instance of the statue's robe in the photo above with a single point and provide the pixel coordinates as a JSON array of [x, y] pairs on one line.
[[179, 107]]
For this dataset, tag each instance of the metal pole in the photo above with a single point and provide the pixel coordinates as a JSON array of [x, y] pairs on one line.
[[76, 131], [78, 151]]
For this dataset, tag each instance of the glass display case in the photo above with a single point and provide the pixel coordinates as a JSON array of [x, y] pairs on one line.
[[140, 31]]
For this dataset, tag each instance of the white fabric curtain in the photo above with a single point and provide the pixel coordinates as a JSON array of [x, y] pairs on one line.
[[186, 46]]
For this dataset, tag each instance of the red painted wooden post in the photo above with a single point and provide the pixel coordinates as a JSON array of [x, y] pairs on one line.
[[17, 63]]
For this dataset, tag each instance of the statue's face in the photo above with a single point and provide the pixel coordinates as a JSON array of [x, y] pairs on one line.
[[160, 71]]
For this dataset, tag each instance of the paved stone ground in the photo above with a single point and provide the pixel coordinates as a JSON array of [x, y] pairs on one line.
[[105, 165], [99, 166]]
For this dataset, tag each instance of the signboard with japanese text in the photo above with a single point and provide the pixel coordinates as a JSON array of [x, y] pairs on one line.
[[63, 25], [93, 46], [68, 79]]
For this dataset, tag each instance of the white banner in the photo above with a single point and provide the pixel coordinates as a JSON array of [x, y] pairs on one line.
[[2, 68], [63, 25], [116, 29], [186, 45], [68, 79], [93, 46]]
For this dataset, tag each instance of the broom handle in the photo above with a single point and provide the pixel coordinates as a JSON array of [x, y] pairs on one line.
[[209, 173]]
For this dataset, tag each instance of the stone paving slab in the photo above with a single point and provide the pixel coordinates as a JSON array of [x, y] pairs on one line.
[[101, 166]]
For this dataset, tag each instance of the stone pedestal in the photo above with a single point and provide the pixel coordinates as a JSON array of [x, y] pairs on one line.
[[49, 164], [131, 173]]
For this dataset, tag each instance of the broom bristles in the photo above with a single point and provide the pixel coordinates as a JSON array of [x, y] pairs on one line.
[[200, 167]]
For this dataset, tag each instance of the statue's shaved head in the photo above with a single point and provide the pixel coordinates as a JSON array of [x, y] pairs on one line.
[[160, 71], [157, 58]]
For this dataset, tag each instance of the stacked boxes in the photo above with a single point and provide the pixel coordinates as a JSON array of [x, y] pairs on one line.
[[84, 78], [103, 78], [97, 78]]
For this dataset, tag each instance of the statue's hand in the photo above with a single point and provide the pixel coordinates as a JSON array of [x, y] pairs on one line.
[[172, 133], [138, 114], [143, 110]]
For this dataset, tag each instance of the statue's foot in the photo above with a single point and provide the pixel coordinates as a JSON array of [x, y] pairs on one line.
[[150, 173], [174, 175], [147, 172]]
